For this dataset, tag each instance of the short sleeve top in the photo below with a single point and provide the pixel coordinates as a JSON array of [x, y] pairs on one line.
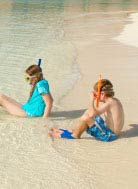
[[35, 106]]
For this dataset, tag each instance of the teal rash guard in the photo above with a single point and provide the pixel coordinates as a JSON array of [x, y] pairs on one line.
[[35, 106]]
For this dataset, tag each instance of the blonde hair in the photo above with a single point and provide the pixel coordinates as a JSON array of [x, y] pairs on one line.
[[106, 87], [36, 71]]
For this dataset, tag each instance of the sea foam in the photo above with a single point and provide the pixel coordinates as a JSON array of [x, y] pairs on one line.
[[129, 35]]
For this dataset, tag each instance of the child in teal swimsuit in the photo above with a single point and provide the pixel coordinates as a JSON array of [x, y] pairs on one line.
[[35, 106], [40, 100], [110, 109]]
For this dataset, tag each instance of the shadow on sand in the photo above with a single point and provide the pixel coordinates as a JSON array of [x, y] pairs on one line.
[[68, 114], [132, 132]]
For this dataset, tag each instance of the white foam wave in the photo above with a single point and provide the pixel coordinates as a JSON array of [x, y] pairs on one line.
[[129, 35], [98, 13]]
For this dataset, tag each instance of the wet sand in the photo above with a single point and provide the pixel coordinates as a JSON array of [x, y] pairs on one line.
[[31, 159], [105, 165]]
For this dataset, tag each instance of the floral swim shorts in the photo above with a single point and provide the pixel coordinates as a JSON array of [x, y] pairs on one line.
[[101, 131]]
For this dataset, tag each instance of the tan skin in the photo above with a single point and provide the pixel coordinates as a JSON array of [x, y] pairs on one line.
[[49, 101], [15, 108], [110, 107]]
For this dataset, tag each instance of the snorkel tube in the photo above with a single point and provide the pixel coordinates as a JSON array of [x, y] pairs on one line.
[[99, 91], [39, 62]]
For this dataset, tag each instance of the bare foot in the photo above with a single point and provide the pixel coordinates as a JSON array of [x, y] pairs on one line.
[[55, 135], [54, 129]]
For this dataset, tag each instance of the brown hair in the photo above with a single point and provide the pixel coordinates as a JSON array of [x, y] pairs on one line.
[[37, 71], [106, 86]]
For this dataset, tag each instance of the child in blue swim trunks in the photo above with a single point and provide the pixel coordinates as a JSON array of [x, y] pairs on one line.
[[103, 129], [40, 100]]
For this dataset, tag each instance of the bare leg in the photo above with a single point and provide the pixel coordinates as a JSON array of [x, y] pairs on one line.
[[12, 106], [85, 121]]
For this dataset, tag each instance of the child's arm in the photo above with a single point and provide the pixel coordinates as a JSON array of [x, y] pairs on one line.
[[49, 101], [103, 108], [92, 108], [97, 111]]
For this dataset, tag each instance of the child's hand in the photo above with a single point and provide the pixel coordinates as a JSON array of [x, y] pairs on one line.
[[93, 96]]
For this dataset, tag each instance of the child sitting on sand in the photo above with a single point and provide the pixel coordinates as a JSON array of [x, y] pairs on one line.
[[106, 129], [40, 100]]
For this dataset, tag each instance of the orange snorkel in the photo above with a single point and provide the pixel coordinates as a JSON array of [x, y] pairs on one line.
[[99, 92]]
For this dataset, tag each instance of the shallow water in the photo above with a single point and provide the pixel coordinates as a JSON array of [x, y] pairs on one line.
[[31, 30], [42, 29]]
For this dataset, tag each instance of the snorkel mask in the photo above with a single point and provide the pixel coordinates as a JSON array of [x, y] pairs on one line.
[[27, 78]]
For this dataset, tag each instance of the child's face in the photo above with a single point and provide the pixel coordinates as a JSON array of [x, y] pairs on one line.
[[29, 78], [102, 95], [95, 94]]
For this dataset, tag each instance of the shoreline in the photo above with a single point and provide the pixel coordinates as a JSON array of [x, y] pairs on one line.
[[129, 35], [117, 62], [31, 159], [89, 76]]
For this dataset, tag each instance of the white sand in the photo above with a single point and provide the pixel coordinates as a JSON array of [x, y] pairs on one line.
[[30, 159], [129, 36], [106, 165]]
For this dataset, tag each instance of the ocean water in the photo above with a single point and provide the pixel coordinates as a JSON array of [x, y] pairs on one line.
[[32, 29]]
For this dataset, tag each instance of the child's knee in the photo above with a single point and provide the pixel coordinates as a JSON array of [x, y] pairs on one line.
[[86, 118], [83, 117]]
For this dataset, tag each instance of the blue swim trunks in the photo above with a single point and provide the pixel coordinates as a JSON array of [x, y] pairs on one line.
[[101, 131]]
